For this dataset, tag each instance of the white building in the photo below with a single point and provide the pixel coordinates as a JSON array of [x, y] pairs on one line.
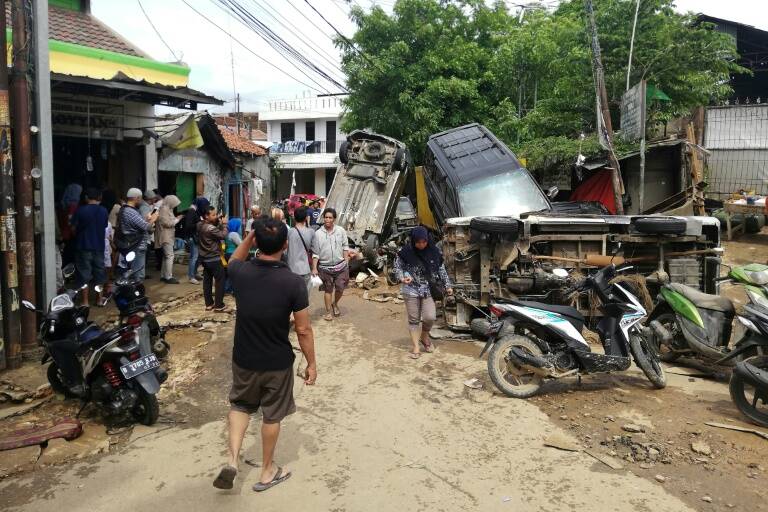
[[307, 136]]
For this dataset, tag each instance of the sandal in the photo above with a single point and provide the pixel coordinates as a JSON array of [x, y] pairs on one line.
[[428, 347], [209, 308], [336, 310], [279, 477], [328, 317], [414, 355], [226, 477]]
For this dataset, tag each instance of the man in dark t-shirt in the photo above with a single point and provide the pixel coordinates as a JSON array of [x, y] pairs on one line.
[[90, 222], [266, 293]]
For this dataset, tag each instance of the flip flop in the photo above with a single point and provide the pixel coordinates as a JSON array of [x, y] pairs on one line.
[[336, 311], [428, 347], [414, 355], [226, 477], [328, 317], [279, 477]]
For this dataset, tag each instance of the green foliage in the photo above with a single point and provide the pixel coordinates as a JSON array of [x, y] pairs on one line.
[[436, 64]]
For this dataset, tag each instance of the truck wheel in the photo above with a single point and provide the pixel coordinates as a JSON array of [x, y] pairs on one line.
[[399, 163], [371, 246], [495, 225], [343, 150], [510, 379], [660, 225]]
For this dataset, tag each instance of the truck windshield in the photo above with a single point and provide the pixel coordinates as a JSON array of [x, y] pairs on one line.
[[511, 193]]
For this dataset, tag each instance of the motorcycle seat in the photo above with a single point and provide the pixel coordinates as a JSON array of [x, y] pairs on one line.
[[571, 314], [704, 300]]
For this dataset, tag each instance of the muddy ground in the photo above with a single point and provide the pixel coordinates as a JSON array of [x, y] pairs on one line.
[[380, 432]]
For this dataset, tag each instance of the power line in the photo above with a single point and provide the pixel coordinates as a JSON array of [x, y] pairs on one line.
[[277, 43], [344, 38], [281, 70], [157, 31], [295, 31]]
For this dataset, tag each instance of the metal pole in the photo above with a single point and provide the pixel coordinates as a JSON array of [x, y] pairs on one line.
[[605, 113], [10, 345], [42, 89], [22, 156], [632, 42], [642, 173]]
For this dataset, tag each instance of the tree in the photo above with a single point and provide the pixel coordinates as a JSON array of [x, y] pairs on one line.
[[436, 64]]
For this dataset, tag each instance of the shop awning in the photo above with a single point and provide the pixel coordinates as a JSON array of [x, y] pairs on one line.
[[308, 161], [120, 87]]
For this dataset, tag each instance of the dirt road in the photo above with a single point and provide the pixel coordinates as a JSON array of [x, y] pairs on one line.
[[382, 432]]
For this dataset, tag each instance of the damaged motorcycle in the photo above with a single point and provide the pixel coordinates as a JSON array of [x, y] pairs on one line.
[[533, 341]]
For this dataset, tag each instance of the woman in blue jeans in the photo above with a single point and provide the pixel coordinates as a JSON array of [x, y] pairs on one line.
[[416, 265]]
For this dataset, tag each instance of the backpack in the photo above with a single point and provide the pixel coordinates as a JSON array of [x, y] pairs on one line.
[[125, 243]]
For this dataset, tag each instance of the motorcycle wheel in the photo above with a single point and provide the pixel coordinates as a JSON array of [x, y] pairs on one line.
[[509, 378], [54, 379], [147, 409], [745, 396], [668, 321], [648, 360]]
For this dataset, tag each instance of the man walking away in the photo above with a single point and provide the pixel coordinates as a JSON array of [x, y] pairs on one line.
[[132, 231], [266, 293], [299, 253], [330, 260], [166, 236], [210, 233], [90, 223]]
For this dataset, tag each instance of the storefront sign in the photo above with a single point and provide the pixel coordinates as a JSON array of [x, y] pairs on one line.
[[72, 117]]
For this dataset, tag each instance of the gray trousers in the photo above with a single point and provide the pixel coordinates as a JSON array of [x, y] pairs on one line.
[[166, 271], [420, 310]]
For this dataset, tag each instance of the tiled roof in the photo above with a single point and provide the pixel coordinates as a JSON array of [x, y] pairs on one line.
[[82, 28], [239, 144], [258, 135]]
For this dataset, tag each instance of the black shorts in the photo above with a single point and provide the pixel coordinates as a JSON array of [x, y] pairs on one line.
[[272, 391]]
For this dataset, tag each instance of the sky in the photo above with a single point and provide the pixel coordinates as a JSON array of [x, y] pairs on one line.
[[217, 60]]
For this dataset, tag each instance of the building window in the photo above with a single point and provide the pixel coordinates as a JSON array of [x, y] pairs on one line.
[[330, 136], [310, 130], [287, 132]]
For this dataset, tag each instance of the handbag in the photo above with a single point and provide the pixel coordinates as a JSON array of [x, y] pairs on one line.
[[436, 288]]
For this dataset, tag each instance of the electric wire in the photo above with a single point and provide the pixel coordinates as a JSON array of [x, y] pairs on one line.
[[281, 70], [149, 20]]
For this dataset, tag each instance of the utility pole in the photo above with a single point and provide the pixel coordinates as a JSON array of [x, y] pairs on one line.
[[603, 112], [10, 345], [22, 157]]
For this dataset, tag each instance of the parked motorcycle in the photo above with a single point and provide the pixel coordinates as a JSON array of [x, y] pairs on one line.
[[532, 341], [135, 309], [686, 321], [749, 379], [109, 368]]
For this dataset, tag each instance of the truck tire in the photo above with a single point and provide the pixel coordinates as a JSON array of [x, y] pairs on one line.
[[495, 225], [660, 225], [371, 246], [343, 150], [399, 163]]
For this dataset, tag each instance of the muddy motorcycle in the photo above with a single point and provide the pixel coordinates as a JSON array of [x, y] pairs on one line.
[[136, 310], [749, 379], [686, 321], [108, 368], [532, 341]]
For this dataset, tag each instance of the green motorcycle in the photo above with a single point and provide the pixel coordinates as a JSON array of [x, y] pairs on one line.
[[686, 321]]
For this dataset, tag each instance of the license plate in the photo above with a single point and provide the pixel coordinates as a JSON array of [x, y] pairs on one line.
[[139, 366]]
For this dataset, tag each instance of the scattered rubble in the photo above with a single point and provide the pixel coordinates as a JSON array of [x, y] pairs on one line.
[[631, 427], [701, 448]]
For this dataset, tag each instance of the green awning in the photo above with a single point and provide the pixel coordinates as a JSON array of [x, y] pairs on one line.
[[652, 93]]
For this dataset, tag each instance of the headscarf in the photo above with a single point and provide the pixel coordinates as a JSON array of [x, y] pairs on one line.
[[71, 195], [171, 202], [430, 257], [233, 226], [201, 205]]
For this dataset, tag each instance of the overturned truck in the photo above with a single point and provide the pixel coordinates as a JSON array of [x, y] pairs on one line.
[[502, 237]]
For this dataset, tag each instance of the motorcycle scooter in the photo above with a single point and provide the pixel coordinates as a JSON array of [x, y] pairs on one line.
[[532, 341], [686, 321], [749, 379]]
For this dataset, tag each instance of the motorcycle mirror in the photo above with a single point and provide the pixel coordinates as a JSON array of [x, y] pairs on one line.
[[560, 272], [68, 270], [130, 256], [28, 305]]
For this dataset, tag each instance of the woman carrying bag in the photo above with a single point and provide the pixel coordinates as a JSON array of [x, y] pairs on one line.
[[419, 267]]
